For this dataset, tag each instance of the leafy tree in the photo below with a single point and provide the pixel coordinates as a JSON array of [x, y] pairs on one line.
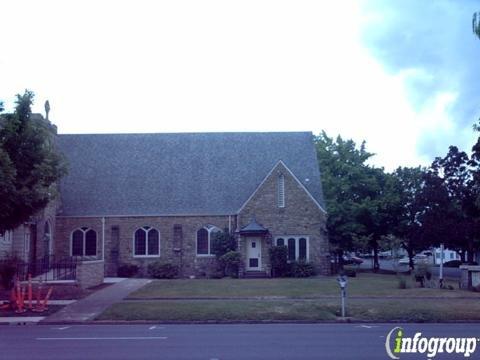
[[476, 24], [408, 227], [29, 164], [223, 242], [454, 221], [362, 201]]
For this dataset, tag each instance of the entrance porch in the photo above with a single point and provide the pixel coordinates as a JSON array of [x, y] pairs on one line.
[[254, 240]]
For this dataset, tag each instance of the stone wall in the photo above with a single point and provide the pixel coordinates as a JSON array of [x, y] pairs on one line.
[[470, 276], [299, 217], [90, 273], [6, 244], [181, 252], [47, 214]]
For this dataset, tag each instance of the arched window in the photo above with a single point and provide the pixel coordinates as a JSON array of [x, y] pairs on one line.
[[202, 242], [291, 249], [302, 249], [205, 237], [281, 191], [146, 242], [84, 242]]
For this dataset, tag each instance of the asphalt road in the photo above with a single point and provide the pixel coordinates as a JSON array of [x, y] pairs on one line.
[[208, 342]]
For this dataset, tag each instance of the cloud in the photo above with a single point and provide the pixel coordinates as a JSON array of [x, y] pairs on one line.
[[431, 46]]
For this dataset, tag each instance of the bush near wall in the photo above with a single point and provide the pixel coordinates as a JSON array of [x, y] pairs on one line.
[[8, 269], [127, 270], [279, 261], [159, 270], [301, 269], [230, 263], [7, 273]]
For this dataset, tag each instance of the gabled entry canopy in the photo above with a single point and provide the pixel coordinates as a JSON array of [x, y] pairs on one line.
[[253, 229]]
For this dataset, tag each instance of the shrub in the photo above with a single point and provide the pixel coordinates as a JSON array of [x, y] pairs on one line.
[[350, 272], [8, 269], [231, 262], [402, 282], [422, 272], [302, 269], [7, 273], [127, 270], [222, 243], [159, 270], [278, 260]]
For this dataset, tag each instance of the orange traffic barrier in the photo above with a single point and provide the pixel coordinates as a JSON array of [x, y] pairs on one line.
[[39, 289], [13, 298], [20, 298], [47, 297], [42, 305], [29, 291]]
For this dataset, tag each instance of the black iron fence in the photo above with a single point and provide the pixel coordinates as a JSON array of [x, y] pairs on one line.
[[48, 269]]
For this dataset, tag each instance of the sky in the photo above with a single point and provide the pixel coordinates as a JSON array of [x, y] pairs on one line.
[[401, 75]]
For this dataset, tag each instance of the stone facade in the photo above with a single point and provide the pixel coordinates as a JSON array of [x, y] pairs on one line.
[[175, 250], [300, 216], [31, 241], [90, 273]]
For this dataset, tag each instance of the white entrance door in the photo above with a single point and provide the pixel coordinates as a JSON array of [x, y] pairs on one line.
[[254, 254]]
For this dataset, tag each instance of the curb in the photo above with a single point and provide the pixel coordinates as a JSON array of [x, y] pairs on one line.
[[283, 298], [233, 322], [21, 322]]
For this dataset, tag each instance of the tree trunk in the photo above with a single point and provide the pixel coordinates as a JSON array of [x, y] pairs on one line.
[[411, 264], [376, 264], [470, 254], [340, 259]]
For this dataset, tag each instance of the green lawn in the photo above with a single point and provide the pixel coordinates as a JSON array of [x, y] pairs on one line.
[[310, 310], [370, 297], [364, 285]]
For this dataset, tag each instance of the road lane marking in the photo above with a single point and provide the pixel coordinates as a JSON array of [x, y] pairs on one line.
[[156, 327], [105, 338], [62, 328], [367, 326]]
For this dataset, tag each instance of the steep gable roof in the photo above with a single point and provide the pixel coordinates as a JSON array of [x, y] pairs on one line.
[[177, 174]]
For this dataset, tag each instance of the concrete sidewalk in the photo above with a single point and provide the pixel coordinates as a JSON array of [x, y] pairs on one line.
[[88, 308]]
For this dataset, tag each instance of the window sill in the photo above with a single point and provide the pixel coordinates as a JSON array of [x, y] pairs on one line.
[[205, 255], [146, 256]]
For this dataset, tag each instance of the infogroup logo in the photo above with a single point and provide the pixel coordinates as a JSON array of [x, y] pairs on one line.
[[397, 343]]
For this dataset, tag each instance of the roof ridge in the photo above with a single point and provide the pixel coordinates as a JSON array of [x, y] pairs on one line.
[[191, 133]]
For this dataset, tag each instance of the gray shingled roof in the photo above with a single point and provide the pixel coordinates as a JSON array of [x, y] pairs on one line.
[[168, 174]]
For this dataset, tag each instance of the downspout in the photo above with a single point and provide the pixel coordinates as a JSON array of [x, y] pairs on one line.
[[103, 238], [229, 224]]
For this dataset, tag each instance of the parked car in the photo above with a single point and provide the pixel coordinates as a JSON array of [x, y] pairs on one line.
[[452, 263], [354, 260], [417, 259]]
